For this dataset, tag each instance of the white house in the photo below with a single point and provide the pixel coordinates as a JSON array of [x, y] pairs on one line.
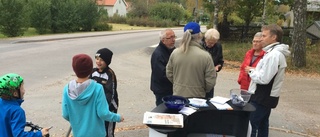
[[114, 6]]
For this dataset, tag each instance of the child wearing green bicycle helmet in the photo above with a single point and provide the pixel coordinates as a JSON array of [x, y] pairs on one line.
[[12, 116]]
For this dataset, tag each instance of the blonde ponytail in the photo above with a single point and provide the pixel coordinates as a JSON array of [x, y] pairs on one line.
[[185, 41]]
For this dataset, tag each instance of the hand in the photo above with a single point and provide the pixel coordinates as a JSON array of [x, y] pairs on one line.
[[217, 67], [45, 131], [121, 119], [247, 69]]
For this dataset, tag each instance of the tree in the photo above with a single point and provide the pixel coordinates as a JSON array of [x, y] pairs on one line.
[[170, 11], [73, 15], [139, 9], [40, 15], [13, 19], [299, 33], [88, 14], [247, 10]]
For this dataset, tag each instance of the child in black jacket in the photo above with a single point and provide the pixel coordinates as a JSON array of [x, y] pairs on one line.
[[105, 76]]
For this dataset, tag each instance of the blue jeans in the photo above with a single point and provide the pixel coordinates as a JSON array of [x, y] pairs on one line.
[[259, 120]]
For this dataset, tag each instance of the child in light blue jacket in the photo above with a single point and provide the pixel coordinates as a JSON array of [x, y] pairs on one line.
[[83, 99]]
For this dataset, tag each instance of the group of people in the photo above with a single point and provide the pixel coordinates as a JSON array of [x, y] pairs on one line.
[[92, 98], [190, 69], [90, 102]]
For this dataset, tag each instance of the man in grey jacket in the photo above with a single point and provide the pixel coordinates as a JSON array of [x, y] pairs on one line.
[[190, 68], [267, 79]]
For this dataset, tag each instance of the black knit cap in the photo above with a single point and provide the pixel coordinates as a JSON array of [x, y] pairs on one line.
[[105, 54], [82, 65]]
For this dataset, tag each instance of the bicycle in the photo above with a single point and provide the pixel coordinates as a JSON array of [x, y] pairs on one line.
[[35, 127]]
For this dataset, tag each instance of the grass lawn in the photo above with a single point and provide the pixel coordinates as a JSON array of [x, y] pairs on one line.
[[115, 27], [233, 53]]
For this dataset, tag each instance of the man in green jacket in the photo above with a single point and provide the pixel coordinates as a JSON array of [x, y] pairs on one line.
[[190, 67]]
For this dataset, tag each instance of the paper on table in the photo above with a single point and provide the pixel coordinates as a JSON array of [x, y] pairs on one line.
[[187, 111], [198, 102], [224, 106], [218, 99], [164, 119]]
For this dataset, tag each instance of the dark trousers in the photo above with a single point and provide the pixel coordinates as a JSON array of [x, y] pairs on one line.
[[111, 126], [259, 120], [210, 94], [159, 97]]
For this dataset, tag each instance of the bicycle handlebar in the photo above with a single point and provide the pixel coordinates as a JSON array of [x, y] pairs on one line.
[[35, 127]]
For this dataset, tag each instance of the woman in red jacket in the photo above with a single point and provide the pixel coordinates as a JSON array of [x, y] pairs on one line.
[[251, 58]]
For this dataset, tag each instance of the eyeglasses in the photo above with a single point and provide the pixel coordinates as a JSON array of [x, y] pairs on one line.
[[172, 37], [256, 41]]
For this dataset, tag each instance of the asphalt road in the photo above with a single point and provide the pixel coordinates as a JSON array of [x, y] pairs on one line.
[[45, 62]]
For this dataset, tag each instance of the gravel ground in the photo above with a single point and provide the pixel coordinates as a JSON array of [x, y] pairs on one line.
[[295, 116]]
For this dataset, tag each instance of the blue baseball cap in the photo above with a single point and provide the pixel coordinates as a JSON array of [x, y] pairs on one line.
[[195, 27]]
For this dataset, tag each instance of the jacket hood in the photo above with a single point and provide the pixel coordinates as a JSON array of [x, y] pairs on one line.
[[197, 44], [283, 48], [80, 92], [14, 101]]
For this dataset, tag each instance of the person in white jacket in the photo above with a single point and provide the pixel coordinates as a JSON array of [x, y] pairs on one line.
[[267, 78]]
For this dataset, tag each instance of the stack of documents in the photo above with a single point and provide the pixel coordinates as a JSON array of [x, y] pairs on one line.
[[164, 119], [187, 110], [198, 102], [221, 103]]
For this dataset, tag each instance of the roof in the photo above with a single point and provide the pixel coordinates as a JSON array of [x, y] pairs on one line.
[[109, 2], [313, 5], [314, 30]]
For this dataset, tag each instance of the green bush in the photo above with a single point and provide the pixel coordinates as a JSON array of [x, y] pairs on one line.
[[140, 22], [88, 14], [234, 51], [13, 17], [64, 16], [131, 21], [102, 26], [40, 15], [139, 9], [150, 23], [167, 11], [143, 22], [118, 19], [73, 15]]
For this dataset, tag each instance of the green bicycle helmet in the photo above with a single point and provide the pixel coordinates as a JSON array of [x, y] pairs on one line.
[[10, 82]]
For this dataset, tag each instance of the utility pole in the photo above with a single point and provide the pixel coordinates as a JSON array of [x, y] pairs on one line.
[[215, 14], [195, 11]]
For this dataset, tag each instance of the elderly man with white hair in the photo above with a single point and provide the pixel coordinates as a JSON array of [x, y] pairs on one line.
[[210, 43], [160, 85]]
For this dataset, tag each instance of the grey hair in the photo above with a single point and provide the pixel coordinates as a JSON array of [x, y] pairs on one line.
[[258, 34], [163, 33], [212, 34], [187, 37]]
